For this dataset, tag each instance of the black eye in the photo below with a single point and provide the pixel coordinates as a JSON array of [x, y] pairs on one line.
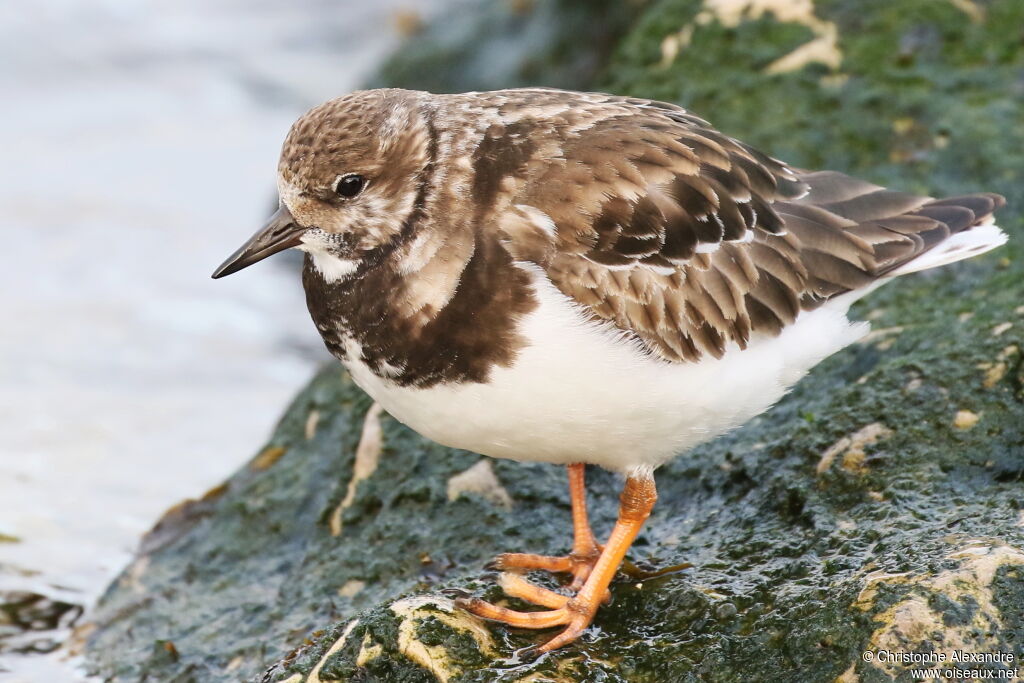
[[351, 185]]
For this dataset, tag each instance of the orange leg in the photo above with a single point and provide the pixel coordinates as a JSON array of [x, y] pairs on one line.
[[585, 549], [577, 613]]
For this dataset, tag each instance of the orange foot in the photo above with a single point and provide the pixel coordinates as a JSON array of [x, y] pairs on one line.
[[585, 550], [575, 613]]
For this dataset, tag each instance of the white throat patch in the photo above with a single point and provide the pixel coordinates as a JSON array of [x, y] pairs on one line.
[[333, 268]]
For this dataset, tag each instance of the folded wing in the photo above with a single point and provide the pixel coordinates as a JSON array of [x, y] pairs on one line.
[[690, 240]]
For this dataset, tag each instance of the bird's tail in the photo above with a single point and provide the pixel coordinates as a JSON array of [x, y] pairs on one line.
[[856, 236], [971, 241]]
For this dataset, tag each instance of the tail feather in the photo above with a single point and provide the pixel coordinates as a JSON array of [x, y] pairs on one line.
[[856, 235], [970, 242], [961, 227]]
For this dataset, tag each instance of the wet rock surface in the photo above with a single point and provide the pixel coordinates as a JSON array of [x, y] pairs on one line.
[[877, 507]]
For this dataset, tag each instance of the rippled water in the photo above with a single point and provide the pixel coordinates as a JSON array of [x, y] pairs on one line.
[[140, 140]]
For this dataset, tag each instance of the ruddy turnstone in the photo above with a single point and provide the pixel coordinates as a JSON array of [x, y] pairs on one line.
[[581, 279]]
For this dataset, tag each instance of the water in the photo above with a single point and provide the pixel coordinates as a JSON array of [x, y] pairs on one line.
[[140, 140]]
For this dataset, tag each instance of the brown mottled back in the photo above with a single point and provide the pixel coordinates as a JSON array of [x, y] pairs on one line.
[[681, 235]]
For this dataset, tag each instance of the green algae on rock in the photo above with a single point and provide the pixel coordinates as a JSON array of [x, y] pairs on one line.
[[860, 514], [511, 43]]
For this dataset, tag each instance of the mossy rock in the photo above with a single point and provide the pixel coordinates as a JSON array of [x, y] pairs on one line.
[[511, 43], [877, 508]]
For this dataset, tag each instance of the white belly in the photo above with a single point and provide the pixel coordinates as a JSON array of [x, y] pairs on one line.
[[579, 392]]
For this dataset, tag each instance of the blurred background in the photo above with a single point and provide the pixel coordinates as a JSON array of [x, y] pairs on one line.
[[140, 140], [140, 145]]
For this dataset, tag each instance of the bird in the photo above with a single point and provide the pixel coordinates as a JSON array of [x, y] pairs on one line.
[[581, 279]]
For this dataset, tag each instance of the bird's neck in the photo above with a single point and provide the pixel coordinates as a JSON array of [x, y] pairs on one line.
[[423, 321]]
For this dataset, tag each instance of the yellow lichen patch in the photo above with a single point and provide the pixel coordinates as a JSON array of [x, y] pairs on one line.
[[295, 678], [884, 336], [965, 419], [972, 9], [1000, 328], [480, 479], [914, 625], [435, 658], [823, 48], [674, 42], [407, 22], [994, 372], [853, 461], [371, 443], [852, 448], [903, 125], [215, 493], [267, 457], [312, 421], [849, 676], [866, 598], [314, 675], [368, 650], [351, 588]]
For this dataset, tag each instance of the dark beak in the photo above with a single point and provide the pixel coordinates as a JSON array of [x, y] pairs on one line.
[[280, 233]]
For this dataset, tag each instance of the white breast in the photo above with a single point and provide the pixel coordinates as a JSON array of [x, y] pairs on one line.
[[582, 392]]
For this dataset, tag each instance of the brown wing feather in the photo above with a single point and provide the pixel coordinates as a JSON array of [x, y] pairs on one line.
[[692, 240]]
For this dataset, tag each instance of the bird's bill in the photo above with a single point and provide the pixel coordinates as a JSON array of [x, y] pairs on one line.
[[281, 232]]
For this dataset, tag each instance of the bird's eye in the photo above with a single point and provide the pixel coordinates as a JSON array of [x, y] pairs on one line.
[[350, 185]]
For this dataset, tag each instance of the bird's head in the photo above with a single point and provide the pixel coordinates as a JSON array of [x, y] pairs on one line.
[[350, 173]]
